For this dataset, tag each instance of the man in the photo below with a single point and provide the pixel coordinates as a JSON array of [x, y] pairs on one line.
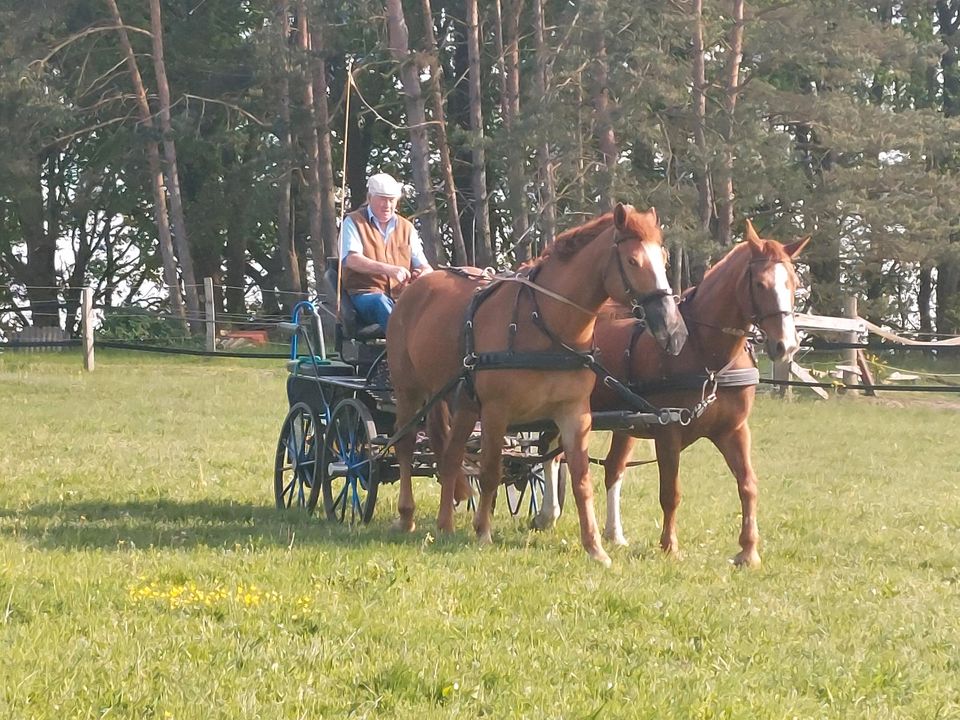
[[381, 252]]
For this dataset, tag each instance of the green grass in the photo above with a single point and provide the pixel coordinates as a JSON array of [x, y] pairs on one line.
[[145, 574]]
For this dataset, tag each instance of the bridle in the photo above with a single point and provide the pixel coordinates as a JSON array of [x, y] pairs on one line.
[[757, 316], [637, 299], [755, 333]]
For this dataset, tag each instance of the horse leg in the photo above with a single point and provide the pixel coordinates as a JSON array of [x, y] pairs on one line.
[[404, 448], [574, 433], [614, 467], [493, 428], [736, 451], [668, 463], [550, 506], [450, 467]]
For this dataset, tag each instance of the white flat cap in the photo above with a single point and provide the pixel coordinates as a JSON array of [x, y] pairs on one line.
[[383, 184]]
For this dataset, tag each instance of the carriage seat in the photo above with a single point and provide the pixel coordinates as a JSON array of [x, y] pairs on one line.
[[349, 319]]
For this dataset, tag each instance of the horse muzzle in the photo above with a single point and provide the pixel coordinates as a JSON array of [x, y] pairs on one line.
[[665, 322], [780, 341]]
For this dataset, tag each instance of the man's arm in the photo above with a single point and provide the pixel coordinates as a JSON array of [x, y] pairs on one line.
[[418, 260], [351, 252], [364, 265]]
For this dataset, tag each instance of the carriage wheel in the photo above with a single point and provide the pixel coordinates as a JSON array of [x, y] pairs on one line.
[[295, 466], [527, 490], [348, 475], [525, 484], [474, 482]]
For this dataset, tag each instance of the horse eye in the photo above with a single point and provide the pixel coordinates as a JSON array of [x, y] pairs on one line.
[[633, 261]]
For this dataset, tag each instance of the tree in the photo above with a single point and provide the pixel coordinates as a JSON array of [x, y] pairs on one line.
[[164, 235], [417, 126]]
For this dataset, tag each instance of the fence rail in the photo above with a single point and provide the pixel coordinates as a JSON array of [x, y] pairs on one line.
[[850, 335]]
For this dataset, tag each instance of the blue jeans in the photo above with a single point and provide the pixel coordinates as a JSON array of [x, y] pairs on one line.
[[373, 308]]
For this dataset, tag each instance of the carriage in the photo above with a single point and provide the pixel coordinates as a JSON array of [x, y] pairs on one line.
[[335, 449], [513, 404]]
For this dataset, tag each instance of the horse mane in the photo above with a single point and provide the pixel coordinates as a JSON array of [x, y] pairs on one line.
[[569, 242], [772, 250]]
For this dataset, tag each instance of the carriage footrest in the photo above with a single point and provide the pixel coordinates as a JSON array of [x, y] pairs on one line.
[[307, 367]]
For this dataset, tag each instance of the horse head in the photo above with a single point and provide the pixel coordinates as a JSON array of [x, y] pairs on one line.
[[636, 275], [768, 296]]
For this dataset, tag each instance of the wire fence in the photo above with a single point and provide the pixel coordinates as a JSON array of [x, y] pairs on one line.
[[149, 326]]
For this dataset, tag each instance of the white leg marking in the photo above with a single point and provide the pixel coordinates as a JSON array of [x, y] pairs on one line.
[[614, 529]]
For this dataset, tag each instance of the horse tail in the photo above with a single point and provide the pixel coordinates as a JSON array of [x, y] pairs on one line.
[[438, 430], [438, 427]]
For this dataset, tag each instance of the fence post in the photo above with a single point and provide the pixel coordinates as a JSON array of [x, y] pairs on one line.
[[86, 324], [850, 354], [781, 372], [210, 314]]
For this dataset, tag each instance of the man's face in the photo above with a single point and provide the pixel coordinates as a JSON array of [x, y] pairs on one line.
[[383, 207]]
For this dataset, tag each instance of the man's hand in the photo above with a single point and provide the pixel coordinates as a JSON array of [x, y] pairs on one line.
[[400, 274]]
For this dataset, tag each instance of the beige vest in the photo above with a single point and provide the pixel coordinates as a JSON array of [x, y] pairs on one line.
[[395, 252]]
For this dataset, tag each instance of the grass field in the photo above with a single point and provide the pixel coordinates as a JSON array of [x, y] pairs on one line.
[[144, 572]]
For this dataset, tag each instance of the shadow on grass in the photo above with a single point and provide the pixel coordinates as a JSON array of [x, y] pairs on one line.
[[167, 523]]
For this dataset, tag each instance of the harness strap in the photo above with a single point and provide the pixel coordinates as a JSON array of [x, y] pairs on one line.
[[740, 377], [549, 293], [510, 360]]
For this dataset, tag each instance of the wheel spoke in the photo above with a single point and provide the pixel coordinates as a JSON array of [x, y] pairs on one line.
[[346, 471], [296, 459]]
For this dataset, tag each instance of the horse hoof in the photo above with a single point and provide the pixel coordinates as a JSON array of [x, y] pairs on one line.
[[445, 528], [542, 522], [617, 540], [746, 560], [484, 538], [403, 525], [598, 555], [673, 553]]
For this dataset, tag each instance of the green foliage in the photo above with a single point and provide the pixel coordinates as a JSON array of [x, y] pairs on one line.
[[133, 324], [844, 128]]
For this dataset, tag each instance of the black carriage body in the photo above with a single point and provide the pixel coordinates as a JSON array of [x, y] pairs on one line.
[[305, 384]]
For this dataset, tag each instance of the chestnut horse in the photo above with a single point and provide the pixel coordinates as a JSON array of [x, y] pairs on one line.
[[520, 355], [713, 378]]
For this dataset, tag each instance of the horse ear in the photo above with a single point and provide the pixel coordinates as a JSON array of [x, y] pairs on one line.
[[750, 235], [620, 215], [793, 249], [653, 213]]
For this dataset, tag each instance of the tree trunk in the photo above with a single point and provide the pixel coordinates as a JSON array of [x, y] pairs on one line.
[[286, 242], [704, 198], [948, 283], [360, 140], [178, 218], [164, 237], [725, 197], [548, 192], [417, 121], [508, 40], [948, 271], [924, 300], [600, 98], [328, 205], [39, 271], [443, 146], [312, 134], [484, 249]]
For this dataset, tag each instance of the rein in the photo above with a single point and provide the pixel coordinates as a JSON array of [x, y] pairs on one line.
[[488, 275]]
